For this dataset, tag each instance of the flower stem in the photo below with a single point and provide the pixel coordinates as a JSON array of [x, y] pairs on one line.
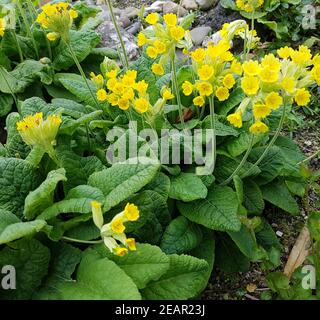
[[316, 154], [213, 126], [270, 145], [82, 73], [113, 17], [241, 164], [176, 89], [82, 241], [18, 45]]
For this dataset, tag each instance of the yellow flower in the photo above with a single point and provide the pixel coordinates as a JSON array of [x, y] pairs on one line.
[[113, 99], [152, 52], [131, 242], [236, 67], [131, 212], [111, 83], [160, 46], [273, 100], [167, 94], [235, 119], [222, 93], [270, 62], [198, 55], [142, 39], [177, 33], [206, 72], [259, 128], [141, 87], [288, 84], [112, 74], [260, 111], [117, 225], [2, 27], [152, 18], [142, 105], [121, 252], [118, 88], [269, 76], [187, 88], [315, 73], [204, 88], [102, 95], [97, 214], [52, 36], [302, 97], [284, 52], [250, 85], [199, 101], [157, 69], [228, 81], [73, 14], [251, 68], [123, 104], [301, 56], [98, 80], [170, 19]]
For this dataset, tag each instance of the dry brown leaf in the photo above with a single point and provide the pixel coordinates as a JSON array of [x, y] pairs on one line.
[[299, 252], [251, 287]]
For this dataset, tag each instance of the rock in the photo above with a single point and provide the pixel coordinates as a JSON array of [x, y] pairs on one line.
[[157, 6], [110, 39], [134, 28], [207, 4], [124, 21], [199, 34], [189, 4], [171, 7], [131, 12]]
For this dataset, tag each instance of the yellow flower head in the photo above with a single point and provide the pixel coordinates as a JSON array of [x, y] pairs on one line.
[[284, 52], [250, 85], [113, 99], [315, 73], [102, 95], [206, 72], [124, 104], [273, 100], [131, 212], [142, 39], [152, 18], [177, 33], [198, 55], [2, 26], [259, 128], [301, 56], [302, 97], [112, 74], [288, 84], [160, 46], [204, 88], [157, 69], [228, 81], [111, 84], [117, 225], [235, 119], [152, 52], [222, 93], [142, 105], [170, 19], [52, 36], [131, 242], [236, 67], [121, 252], [141, 87], [269, 76], [187, 88], [270, 62], [251, 68], [167, 94], [199, 101], [261, 111]]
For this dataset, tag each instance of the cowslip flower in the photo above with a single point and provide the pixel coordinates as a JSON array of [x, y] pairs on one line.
[[35, 131], [2, 26], [249, 5], [113, 233]]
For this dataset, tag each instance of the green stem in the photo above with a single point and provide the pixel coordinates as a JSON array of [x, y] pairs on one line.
[[213, 126], [113, 17], [18, 45], [28, 28], [176, 89], [82, 72], [241, 164], [317, 153], [270, 145], [35, 156], [9, 87], [82, 241]]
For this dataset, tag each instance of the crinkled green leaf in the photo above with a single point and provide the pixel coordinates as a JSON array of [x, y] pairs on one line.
[[6, 102], [253, 200]]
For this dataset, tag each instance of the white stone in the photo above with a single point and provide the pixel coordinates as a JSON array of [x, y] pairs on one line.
[[207, 4], [199, 34], [189, 4], [171, 7]]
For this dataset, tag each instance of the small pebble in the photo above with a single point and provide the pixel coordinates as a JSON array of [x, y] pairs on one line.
[[279, 233]]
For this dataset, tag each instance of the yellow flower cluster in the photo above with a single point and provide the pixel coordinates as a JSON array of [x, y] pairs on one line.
[[2, 26], [249, 5], [216, 69], [274, 81], [57, 18], [114, 231], [166, 35], [35, 131]]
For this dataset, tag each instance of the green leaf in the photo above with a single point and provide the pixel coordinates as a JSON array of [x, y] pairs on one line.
[[218, 211], [278, 281], [253, 199], [280, 29], [94, 284], [6, 103], [266, 237], [146, 264], [222, 130], [182, 281], [122, 180], [238, 184], [181, 236], [7, 218], [31, 260], [35, 104], [297, 188], [85, 191], [228, 4], [187, 187], [223, 108], [42, 197], [17, 179], [278, 194], [160, 184], [82, 44]]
